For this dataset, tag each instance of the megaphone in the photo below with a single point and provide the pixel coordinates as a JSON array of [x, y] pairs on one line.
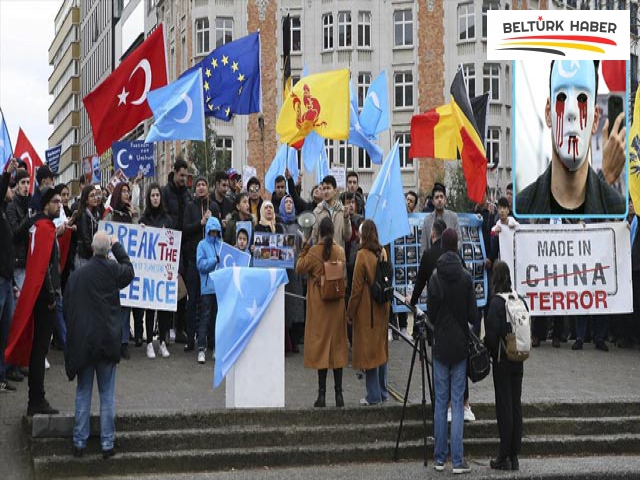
[[306, 220]]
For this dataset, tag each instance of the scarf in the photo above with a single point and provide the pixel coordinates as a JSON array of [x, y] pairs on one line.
[[287, 218], [263, 220]]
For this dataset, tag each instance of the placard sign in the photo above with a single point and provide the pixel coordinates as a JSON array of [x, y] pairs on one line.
[[273, 250], [473, 254], [405, 259], [571, 269], [155, 255]]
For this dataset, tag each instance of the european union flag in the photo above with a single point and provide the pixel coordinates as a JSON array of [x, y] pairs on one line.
[[231, 78], [6, 151], [357, 135], [286, 157], [374, 117], [385, 204], [178, 110], [244, 295]]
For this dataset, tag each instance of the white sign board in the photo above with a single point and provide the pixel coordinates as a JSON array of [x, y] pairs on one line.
[[155, 255], [570, 269], [247, 172], [340, 175]]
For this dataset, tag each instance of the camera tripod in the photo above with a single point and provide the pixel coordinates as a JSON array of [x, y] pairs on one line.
[[419, 347]]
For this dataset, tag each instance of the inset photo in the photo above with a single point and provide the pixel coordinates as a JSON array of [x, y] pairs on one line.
[[569, 154]]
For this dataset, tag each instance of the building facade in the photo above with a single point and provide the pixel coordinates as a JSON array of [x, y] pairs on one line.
[[64, 85]]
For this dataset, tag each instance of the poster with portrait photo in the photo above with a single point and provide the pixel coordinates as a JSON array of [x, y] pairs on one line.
[[474, 255], [274, 250], [405, 260], [400, 275]]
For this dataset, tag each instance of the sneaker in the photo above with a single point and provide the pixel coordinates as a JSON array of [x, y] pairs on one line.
[[468, 414], [42, 409], [449, 415], [363, 401], [47, 365], [163, 350], [390, 335], [151, 353], [106, 454], [6, 387], [438, 466], [201, 357], [172, 336], [577, 345], [14, 375], [600, 345], [462, 468]]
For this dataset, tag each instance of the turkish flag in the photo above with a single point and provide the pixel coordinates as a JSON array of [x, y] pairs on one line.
[[615, 74], [119, 104], [25, 151]]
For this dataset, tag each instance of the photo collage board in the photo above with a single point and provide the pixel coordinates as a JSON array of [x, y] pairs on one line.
[[273, 250]]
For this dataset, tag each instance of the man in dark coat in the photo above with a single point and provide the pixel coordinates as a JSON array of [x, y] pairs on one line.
[[428, 260], [92, 311], [451, 304]]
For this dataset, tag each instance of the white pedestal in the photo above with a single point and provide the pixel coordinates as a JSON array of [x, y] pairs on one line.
[[257, 378]]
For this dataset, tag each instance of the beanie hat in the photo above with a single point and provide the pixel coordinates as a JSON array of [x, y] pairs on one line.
[[200, 178], [450, 240], [46, 196]]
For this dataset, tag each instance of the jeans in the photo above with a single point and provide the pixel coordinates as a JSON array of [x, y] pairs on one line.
[[126, 324], [192, 280], [60, 333], [6, 313], [106, 374], [18, 277], [449, 384], [599, 327], [207, 325], [376, 381]]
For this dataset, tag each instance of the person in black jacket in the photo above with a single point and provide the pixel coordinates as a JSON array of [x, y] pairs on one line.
[[20, 222], [451, 305], [428, 260], [155, 216], [92, 310], [507, 375], [7, 261], [87, 222]]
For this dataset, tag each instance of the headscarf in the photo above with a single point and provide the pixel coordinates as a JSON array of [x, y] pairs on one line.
[[287, 218], [263, 219]]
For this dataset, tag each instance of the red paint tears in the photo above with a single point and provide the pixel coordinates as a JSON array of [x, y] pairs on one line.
[[573, 142], [582, 106], [559, 121]]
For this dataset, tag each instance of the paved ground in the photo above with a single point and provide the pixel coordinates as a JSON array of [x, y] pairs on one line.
[[179, 383]]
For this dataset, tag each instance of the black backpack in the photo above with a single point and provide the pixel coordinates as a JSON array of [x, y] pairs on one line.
[[382, 286]]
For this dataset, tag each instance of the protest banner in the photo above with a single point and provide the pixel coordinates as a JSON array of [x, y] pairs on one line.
[[117, 178], [53, 158], [570, 269], [273, 250], [155, 255], [340, 175], [134, 157]]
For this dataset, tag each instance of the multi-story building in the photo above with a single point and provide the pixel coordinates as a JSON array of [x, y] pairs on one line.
[[64, 85]]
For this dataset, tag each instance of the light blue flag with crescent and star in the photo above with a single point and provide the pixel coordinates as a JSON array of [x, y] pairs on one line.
[[178, 110], [232, 257], [286, 157], [356, 133], [6, 150], [244, 294], [374, 116], [312, 150], [386, 205], [322, 166]]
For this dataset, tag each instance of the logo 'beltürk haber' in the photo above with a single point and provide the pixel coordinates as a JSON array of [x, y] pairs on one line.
[[319, 103]]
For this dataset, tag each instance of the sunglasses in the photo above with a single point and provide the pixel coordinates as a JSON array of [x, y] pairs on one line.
[[254, 189]]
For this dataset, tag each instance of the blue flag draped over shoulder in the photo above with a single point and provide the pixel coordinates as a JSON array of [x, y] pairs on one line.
[[231, 78], [286, 157], [178, 110], [386, 205], [357, 135], [244, 294], [6, 151]]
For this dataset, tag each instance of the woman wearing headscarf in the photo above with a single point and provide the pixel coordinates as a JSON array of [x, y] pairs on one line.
[[268, 221], [325, 336]]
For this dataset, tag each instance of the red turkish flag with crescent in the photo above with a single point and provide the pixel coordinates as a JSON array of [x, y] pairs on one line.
[[119, 104], [25, 151]]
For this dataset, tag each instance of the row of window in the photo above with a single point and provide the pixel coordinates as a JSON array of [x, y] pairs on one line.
[[71, 71], [72, 36], [467, 19], [402, 29], [490, 80], [224, 33], [72, 104]]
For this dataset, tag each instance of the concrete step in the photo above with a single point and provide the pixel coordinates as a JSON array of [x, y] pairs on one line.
[[251, 436], [327, 454]]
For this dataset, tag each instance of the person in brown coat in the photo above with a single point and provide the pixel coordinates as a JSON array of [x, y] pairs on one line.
[[325, 336], [370, 339]]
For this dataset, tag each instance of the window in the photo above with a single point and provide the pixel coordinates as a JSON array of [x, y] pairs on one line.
[[403, 28], [403, 83], [491, 80], [296, 34], [224, 31], [486, 6], [633, 9], [404, 142], [294, 79], [344, 29], [364, 29], [202, 36], [330, 151], [345, 154], [364, 160], [327, 31], [223, 153], [364, 80], [469, 71], [466, 22], [183, 53], [493, 145]]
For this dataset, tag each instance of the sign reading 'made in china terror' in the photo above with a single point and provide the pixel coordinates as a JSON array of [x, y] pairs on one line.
[[570, 269]]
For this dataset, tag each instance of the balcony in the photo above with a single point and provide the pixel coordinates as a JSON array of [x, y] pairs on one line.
[[72, 86], [73, 17], [73, 53], [71, 121]]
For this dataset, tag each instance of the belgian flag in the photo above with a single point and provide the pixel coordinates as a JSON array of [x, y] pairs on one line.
[[286, 57], [451, 131]]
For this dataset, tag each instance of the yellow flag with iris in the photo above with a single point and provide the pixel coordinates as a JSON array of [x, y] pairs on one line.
[[634, 154], [319, 103]]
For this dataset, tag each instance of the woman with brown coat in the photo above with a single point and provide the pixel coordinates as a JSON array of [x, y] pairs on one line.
[[370, 339], [325, 336]]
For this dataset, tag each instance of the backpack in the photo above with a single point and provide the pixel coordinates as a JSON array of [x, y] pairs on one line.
[[382, 287], [331, 283], [518, 341]]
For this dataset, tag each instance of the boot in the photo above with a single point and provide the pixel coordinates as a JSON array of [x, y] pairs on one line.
[[339, 399], [337, 380], [321, 402]]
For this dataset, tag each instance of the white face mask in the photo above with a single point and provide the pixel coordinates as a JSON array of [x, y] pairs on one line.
[[572, 110]]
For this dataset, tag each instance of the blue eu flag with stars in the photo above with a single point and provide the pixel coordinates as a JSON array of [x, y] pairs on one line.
[[231, 78]]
